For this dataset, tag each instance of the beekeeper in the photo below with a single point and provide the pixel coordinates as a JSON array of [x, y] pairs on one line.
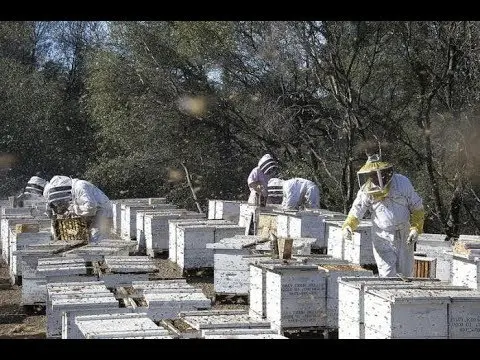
[[81, 198], [296, 193], [33, 190], [397, 215], [258, 179]]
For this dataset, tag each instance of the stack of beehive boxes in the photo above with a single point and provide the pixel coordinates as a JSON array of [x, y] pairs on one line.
[[64, 300], [157, 229], [393, 308]]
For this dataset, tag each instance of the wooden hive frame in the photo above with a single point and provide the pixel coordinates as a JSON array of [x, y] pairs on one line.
[[72, 228]]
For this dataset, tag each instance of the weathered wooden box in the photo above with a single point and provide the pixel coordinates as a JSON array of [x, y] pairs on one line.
[[425, 267]]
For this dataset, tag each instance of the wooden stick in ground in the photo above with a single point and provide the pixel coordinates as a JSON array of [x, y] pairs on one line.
[[187, 175]]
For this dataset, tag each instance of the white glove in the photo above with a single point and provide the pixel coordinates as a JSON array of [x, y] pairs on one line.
[[347, 233], [412, 236]]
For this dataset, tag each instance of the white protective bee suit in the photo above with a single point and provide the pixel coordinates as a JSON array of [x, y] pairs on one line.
[[397, 215], [86, 200], [297, 193], [257, 180]]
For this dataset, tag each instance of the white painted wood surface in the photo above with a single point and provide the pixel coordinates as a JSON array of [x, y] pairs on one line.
[[157, 228], [296, 296], [173, 231], [465, 272]]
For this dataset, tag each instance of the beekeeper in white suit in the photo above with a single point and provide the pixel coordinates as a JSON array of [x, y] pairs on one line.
[[32, 191], [296, 193], [397, 216], [257, 180], [81, 198]]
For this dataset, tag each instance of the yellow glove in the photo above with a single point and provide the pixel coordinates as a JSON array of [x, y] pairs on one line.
[[417, 218], [347, 233], [412, 236]]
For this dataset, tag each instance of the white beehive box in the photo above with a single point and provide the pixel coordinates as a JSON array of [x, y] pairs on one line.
[[34, 284], [119, 326], [129, 217], [98, 251], [351, 302], [173, 232], [296, 296], [334, 272], [157, 229], [192, 252], [247, 211], [358, 251], [208, 320], [123, 270], [60, 269], [5, 223], [169, 302], [465, 272], [231, 273], [224, 209], [434, 245], [249, 333], [117, 213], [191, 246], [72, 297], [257, 285], [302, 224], [19, 241], [409, 313], [140, 223]]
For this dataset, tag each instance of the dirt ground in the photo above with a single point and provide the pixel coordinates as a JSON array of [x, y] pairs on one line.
[[15, 323]]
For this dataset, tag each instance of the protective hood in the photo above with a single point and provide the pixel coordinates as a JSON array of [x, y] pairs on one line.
[[35, 185], [267, 164], [59, 188]]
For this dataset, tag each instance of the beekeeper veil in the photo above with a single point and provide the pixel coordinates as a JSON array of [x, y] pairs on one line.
[[374, 177], [35, 186], [59, 193]]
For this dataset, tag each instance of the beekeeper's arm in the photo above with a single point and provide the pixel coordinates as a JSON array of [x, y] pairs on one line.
[[84, 202], [357, 211], [254, 182], [417, 212]]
